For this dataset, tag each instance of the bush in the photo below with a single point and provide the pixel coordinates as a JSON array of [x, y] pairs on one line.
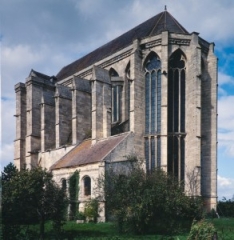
[[91, 210], [153, 202], [80, 216], [202, 230], [226, 208]]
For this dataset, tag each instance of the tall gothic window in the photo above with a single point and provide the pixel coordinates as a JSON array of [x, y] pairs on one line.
[[152, 111], [116, 97], [176, 114]]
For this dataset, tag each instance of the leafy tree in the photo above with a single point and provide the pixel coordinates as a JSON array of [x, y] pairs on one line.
[[30, 197], [8, 172], [226, 207], [148, 202]]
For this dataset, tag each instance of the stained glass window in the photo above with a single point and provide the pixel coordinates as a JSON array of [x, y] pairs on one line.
[[147, 153], [176, 114], [152, 111], [152, 143]]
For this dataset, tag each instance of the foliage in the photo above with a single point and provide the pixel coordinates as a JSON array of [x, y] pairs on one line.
[[91, 210], [73, 195], [153, 202], [30, 197], [8, 172], [226, 208], [202, 230], [225, 227], [80, 216]]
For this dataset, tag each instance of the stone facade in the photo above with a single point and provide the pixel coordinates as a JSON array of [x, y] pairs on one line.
[[156, 82]]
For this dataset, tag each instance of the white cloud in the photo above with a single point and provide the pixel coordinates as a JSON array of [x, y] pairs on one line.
[[225, 79], [7, 131], [226, 113], [20, 59], [7, 155], [225, 187], [226, 124]]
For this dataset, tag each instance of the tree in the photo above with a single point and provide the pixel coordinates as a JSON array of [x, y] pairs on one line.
[[9, 171], [30, 197], [148, 202]]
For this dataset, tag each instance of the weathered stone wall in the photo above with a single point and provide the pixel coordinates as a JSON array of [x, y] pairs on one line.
[[63, 114], [33, 134], [19, 143], [101, 104], [47, 121], [50, 156], [81, 110], [209, 128]]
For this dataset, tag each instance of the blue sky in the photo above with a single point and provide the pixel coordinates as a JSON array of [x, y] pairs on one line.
[[46, 35]]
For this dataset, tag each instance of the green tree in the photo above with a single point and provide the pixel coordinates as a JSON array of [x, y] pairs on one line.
[[30, 197], [8, 172], [148, 202]]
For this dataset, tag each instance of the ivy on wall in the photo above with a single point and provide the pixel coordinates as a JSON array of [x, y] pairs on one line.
[[73, 194]]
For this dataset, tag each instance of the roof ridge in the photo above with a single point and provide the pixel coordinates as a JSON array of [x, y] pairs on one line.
[[156, 24], [178, 24], [152, 26]]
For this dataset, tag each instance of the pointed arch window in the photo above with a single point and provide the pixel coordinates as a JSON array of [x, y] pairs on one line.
[[116, 97], [153, 95], [87, 186], [152, 111], [176, 114]]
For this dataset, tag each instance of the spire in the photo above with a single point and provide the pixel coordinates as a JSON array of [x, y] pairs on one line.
[[165, 18]]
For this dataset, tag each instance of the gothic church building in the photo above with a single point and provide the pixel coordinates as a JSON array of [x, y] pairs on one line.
[[151, 92]]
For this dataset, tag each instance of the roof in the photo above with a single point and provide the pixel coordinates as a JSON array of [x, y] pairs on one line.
[[86, 153], [163, 21]]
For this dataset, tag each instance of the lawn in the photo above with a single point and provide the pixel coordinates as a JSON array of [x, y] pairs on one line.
[[107, 231], [225, 228]]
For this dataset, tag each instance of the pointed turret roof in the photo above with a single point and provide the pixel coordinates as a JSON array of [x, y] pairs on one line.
[[163, 21]]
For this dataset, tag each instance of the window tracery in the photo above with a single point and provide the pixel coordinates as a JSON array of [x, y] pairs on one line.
[[176, 114], [152, 111], [116, 97]]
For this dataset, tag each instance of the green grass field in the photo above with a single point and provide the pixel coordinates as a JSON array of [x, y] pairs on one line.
[[107, 231], [225, 228]]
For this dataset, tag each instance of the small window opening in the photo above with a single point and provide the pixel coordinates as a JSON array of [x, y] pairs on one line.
[[87, 186], [64, 184]]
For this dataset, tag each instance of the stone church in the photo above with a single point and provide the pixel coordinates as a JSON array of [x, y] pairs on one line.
[[151, 92]]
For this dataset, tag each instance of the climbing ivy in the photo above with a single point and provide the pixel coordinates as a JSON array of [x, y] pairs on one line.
[[73, 194]]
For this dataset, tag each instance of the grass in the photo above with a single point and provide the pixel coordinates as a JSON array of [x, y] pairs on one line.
[[225, 228], [107, 231], [92, 231]]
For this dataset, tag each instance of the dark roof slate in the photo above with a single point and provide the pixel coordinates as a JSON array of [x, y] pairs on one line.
[[86, 153], [163, 21]]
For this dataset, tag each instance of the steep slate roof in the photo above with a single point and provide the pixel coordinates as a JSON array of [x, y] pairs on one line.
[[163, 21], [86, 153]]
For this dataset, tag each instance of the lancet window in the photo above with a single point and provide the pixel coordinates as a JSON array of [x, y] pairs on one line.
[[176, 114], [152, 111], [116, 97], [87, 186]]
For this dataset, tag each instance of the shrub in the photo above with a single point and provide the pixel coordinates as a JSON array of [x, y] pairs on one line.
[[226, 207], [152, 202], [80, 216], [201, 230], [91, 210]]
